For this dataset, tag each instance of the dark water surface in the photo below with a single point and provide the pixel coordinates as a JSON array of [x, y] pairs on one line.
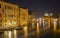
[[24, 33]]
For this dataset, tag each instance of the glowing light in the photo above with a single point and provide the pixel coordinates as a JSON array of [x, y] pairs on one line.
[[55, 23], [38, 29], [6, 34], [54, 26], [25, 31], [14, 22], [40, 20], [9, 34], [46, 14], [15, 34], [9, 23], [48, 23]]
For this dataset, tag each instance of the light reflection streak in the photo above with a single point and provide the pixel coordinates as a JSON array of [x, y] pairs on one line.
[[25, 31], [40, 21], [54, 26], [38, 29], [5, 34], [15, 34], [48, 23], [9, 34]]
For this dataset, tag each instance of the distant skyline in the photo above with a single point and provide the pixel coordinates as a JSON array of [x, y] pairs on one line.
[[39, 6]]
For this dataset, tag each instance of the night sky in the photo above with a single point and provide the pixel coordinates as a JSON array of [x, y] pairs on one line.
[[39, 6]]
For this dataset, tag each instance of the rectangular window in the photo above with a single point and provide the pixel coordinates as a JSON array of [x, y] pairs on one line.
[[9, 7], [11, 16], [0, 5], [5, 7]]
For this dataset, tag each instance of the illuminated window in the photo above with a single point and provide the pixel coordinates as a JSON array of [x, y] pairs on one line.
[[8, 7], [10, 15]]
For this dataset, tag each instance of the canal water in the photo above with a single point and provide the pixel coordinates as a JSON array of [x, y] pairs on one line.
[[35, 34], [25, 32], [32, 32]]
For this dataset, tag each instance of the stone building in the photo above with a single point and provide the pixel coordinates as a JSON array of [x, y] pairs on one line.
[[23, 16], [10, 14], [31, 16]]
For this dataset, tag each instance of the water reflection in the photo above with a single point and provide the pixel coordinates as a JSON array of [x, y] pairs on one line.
[[55, 25], [25, 31], [15, 34], [38, 29], [7, 34], [10, 34]]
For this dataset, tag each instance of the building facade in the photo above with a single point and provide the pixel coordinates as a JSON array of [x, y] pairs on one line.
[[31, 16], [1, 20], [10, 14], [23, 16]]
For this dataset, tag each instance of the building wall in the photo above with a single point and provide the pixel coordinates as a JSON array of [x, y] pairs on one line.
[[10, 14], [31, 17], [0, 20], [1, 12], [13, 16], [23, 16]]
